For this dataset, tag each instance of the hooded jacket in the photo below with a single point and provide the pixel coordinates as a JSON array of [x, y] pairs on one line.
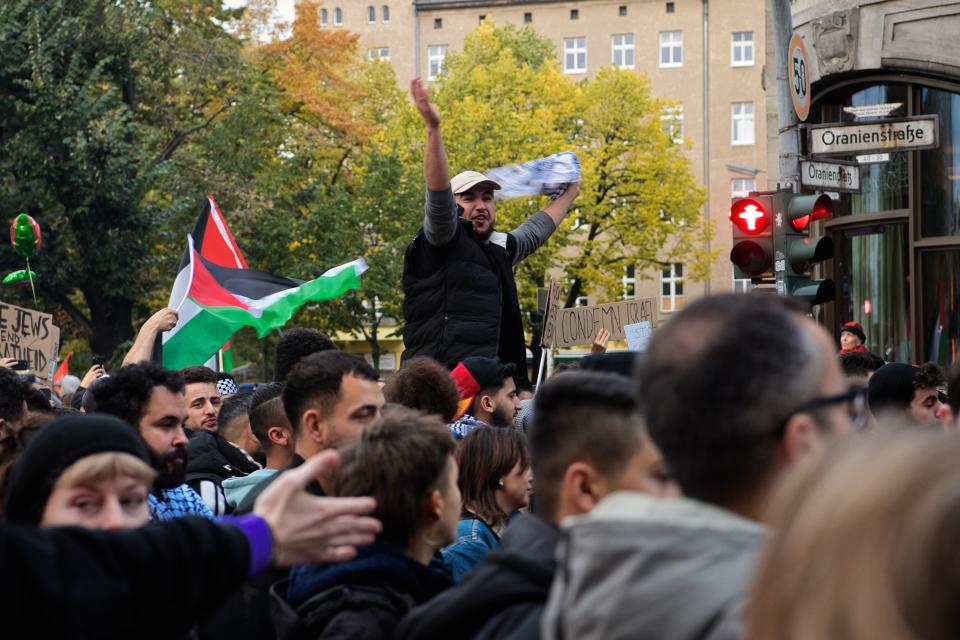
[[236, 489], [502, 598], [363, 598], [210, 461], [645, 568]]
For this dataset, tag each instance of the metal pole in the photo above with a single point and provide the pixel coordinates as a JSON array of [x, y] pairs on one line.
[[543, 361], [706, 130], [789, 139]]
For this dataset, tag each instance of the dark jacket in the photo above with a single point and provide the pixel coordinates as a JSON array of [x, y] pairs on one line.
[[150, 582], [210, 461], [460, 300], [363, 598], [503, 597]]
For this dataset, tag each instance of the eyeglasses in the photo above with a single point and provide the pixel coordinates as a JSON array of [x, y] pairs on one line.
[[855, 397]]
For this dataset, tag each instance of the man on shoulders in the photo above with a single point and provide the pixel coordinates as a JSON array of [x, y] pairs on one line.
[[460, 295]]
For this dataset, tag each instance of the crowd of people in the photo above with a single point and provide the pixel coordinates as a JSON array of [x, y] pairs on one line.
[[737, 479]]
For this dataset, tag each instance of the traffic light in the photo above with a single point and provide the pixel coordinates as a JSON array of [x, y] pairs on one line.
[[797, 251], [752, 220]]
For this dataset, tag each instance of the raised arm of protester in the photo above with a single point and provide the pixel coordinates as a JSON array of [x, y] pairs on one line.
[[440, 211], [142, 348], [108, 583]]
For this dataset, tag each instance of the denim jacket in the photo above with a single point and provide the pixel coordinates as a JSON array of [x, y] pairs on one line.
[[474, 539]]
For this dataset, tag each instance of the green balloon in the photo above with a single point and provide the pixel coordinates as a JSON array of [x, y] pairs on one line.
[[25, 235], [19, 277]]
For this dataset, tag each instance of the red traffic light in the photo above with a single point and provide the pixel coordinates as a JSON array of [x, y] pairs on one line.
[[805, 209], [749, 216]]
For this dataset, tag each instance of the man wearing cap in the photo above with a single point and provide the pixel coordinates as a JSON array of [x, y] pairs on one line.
[[488, 394], [852, 338], [460, 296], [903, 394]]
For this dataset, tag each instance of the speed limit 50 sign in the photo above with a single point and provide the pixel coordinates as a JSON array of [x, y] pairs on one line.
[[799, 69]]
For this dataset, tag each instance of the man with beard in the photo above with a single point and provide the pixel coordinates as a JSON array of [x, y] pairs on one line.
[[152, 399], [488, 395], [460, 296]]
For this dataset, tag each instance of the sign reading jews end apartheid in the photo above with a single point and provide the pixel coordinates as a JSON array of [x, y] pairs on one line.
[[902, 134], [29, 336], [578, 325]]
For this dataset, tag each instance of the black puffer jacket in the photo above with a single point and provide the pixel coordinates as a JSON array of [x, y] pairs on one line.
[[460, 300], [211, 459], [360, 599]]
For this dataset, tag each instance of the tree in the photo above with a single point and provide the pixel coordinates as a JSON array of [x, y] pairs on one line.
[[96, 98]]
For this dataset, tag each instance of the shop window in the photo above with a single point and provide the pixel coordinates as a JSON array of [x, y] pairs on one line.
[[874, 287], [941, 306], [940, 168]]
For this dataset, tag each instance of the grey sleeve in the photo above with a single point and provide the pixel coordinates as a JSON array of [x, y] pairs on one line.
[[440, 217], [532, 234]]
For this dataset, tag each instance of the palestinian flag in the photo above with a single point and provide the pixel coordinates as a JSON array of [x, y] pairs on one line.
[[215, 301]]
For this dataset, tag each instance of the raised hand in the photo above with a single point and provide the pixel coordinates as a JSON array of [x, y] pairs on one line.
[[428, 110]]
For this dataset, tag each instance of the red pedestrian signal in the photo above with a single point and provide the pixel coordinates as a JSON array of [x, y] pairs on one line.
[[752, 250], [750, 216]]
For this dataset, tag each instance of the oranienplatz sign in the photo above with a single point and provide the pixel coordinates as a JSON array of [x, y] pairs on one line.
[[832, 176], [902, 134]]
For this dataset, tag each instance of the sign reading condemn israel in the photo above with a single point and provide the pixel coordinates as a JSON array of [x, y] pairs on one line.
[[578, 325], [29, 335], [832, 176], [904, 134]]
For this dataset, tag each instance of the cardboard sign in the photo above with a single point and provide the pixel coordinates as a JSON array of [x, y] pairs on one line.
[[29, 335], [638, 335], [550, 316], [578, 325]]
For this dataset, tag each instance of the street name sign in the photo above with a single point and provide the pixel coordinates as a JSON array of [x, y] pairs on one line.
[[902, 134], [833, 176]]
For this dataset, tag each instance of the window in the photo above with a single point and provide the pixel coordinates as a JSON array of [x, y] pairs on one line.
[[629, 281], [379, 53], [438, 23], [527, 16], [324, 18], [940, 330], [741, 49], [371, 14], [741, 187], [671, 122], [623, 9], [482, 18], [575, 55], [671, 288], [670, 7], [582, 301], [337, 17], [671, 48], [574, 14], [623, 51], [385, 14], [435, 57], [741, 125]]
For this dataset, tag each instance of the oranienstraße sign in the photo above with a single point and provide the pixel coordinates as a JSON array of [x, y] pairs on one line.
[[832, 176], [901, 134]]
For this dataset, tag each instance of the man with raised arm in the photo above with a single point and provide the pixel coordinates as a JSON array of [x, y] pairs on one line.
[[460, 296]]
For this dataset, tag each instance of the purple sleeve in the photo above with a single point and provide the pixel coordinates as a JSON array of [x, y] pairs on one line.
[[259, 537]]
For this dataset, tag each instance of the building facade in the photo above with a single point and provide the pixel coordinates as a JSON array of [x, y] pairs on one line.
[[709, 57], [897, 264]]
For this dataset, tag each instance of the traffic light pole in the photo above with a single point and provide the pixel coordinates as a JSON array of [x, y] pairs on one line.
[[787, 120]]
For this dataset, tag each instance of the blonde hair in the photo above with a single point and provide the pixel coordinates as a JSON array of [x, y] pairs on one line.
[[105, 466], [865, 543]]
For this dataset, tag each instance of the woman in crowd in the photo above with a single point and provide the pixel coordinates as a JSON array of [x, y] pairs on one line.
[[406, 463], [852, 338], [495, 483], [865, 544], [87, 471]]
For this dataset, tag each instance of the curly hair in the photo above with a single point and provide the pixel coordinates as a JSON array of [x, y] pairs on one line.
[[126, 393], [426, 385], [296, 344]]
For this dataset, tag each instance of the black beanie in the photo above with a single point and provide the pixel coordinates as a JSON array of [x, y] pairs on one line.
[[891, 386], [53, 449]]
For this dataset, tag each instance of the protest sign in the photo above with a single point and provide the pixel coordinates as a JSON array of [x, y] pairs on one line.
[[579, 325], [550, 316], [638, 335], [29, 335]]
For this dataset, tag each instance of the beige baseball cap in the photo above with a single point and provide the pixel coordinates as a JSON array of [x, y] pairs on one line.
[[468, 180]]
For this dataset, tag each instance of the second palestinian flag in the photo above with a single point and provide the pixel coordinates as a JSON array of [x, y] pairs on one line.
[[216, 301]]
